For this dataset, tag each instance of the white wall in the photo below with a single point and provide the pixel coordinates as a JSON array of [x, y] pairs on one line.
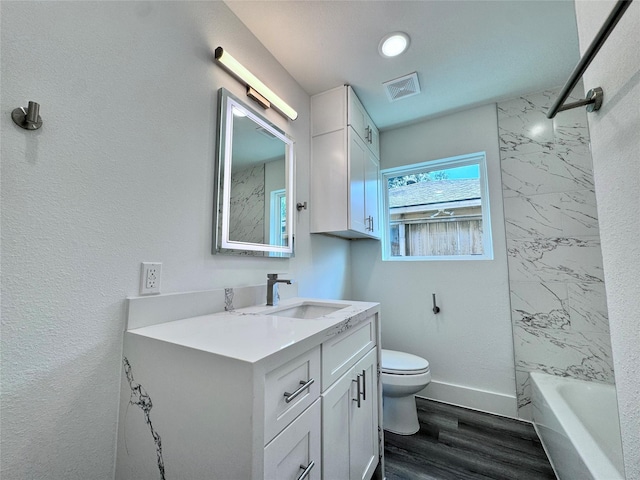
[[615, 145], [121, 172], [469, 343]]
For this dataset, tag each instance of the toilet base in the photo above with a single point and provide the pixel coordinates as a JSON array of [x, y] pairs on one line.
[[399, 415]]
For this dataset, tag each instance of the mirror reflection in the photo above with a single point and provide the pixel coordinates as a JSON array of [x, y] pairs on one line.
[[254, 183]]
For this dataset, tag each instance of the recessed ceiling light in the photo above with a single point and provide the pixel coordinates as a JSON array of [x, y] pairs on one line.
[[393, 44]]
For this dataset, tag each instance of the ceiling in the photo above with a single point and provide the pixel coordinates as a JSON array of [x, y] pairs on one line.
[[465, 53]]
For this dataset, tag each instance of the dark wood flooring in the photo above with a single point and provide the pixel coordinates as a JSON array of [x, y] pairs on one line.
[[455, 443]]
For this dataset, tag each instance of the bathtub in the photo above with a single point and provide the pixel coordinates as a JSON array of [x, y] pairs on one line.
[[578, 425]]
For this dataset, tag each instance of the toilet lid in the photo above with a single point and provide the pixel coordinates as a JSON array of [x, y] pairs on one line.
[[403, 363]]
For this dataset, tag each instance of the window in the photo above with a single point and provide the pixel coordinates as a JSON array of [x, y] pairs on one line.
[[278, 219], [437, 210]]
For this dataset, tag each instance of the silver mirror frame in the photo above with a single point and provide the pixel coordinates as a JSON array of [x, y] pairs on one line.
[[222, 244]]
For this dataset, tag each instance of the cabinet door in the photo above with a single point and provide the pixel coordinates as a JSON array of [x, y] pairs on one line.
[[296, 448], [364, 421], [357, 116], [349, 427], [371, 195], [337, 405], [358, 154]]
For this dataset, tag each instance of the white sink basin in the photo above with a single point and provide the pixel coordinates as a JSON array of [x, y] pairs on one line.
[[305, 310]]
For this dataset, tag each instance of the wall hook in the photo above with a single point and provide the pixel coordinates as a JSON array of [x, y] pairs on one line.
[[28, 118], [301, 206], [436, 308]]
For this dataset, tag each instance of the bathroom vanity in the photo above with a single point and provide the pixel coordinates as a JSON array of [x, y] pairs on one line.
[[284, 392]]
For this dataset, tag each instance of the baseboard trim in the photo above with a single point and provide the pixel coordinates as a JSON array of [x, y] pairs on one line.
[[481, 400]]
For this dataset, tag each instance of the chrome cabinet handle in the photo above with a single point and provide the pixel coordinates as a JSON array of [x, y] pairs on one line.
[[304, 385], [368, 133], [369, 223], [357, 399], [307, 470], [364, 384]]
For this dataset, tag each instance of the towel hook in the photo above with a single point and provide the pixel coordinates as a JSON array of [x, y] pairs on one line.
[[436, 308], [28, 118]]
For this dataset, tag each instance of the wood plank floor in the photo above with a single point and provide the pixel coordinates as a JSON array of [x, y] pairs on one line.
[[455, 443]]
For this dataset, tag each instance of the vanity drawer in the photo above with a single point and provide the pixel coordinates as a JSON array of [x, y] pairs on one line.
[[289, 390], [297, 449], [342, 352]]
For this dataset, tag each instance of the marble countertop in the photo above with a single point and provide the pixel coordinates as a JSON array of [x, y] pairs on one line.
[[252, 334]]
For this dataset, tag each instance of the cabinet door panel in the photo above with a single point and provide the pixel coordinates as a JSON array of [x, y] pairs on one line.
[[364, 421], [357, 165], [336, 413], [296, 446], [371, 192], [357, 116]]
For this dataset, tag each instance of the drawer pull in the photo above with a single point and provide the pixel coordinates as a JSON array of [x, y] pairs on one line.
[[307, 470], [304, 385], [364, 384]]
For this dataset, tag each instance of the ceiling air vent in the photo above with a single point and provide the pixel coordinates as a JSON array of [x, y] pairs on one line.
[[402, 87]]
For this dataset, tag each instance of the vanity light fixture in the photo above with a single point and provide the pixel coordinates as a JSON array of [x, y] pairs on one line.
[[256, 90], [393, 44]]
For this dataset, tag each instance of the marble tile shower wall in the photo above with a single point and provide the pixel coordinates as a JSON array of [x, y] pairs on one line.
[[558, 305], [246, 205]]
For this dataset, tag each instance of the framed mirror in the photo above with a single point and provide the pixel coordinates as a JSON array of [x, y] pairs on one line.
[[254, 188]]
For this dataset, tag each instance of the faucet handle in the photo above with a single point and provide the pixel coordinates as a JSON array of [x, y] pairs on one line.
[[272, 276]]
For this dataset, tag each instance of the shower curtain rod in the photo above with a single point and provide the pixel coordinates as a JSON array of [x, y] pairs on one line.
[[594, 97]]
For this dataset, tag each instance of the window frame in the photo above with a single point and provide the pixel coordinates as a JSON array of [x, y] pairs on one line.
[[478, 158]]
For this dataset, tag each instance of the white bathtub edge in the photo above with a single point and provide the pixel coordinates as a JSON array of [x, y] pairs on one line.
[[585, 448]]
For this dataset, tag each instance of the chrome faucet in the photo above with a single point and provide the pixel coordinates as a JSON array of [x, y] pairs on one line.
[[272, 288]]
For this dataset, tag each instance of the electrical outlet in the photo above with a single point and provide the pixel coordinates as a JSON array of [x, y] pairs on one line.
[[150, 278]]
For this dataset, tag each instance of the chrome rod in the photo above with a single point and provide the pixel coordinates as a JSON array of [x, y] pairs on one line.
[[304, 385], [307, 470], [593, 101], [608, 26]]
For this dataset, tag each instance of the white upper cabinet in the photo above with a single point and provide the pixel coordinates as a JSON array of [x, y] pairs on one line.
[[344, 166]]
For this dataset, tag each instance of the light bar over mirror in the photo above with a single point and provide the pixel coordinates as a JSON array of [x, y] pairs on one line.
[[265, 97]]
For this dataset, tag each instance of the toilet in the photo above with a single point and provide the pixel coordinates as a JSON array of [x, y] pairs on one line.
[[403, 375]]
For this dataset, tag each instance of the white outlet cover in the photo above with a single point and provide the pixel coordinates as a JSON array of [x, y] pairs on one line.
[[150, 276]]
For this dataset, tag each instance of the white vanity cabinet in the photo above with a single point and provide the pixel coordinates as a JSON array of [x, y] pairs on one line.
[[256, 397], [345, 166]]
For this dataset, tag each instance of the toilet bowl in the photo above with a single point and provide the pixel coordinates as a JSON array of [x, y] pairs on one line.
[[403, 375]]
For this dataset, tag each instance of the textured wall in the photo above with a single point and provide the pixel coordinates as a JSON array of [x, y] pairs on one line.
[[121, 172], [615, 146], [469, 343], [558, 304]]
